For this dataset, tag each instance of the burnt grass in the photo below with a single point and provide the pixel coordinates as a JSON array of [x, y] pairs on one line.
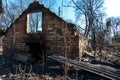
[[51, 68]]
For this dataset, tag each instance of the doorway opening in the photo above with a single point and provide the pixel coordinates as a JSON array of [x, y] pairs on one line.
[[37, 50]]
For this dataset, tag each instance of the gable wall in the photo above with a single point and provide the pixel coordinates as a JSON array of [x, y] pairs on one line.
[[55, 30]]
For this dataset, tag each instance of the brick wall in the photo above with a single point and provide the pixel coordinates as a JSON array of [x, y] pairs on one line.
[[55, 32], [15, 35]]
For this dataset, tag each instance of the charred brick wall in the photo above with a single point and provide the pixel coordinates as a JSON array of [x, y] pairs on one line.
[[15, 35], [59, 36]]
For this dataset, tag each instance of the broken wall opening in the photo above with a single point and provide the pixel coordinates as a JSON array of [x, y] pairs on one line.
[[37, 50]]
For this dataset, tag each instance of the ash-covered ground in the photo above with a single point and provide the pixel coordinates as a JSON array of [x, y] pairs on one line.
[[51, 70]]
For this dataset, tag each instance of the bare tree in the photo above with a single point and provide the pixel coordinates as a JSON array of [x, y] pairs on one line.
[[115, 21], [89, 11]]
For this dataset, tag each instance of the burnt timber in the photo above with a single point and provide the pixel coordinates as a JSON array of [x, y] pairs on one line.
[[105, 72]]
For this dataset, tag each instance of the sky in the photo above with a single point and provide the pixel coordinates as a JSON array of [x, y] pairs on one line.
[[112, 7]]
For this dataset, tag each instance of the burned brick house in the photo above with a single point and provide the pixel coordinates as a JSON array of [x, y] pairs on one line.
[[39, 31]]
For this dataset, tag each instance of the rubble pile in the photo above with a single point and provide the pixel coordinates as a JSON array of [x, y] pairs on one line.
[[21, 77]]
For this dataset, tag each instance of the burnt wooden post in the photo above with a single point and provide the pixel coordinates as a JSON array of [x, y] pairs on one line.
[[76, 78], [76, 72]]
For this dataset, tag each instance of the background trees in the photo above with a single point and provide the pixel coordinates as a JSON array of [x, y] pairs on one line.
[[90, 11]]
